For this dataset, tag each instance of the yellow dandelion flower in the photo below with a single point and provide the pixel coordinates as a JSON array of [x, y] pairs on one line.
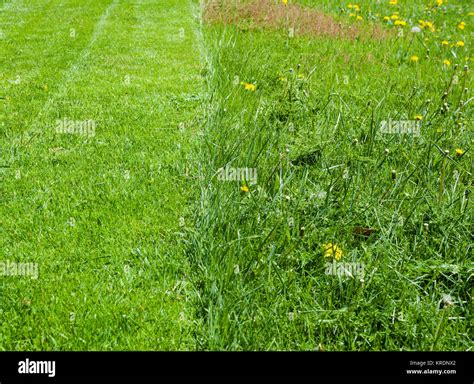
[[352, 15], [414, 59], [333, 251], [418, 117], [248, 86], [439, 3], [460, 43], [284, 2], [359, 18], [446, 62], [462, 25], [470, 14], [459, 152], [356, 7], [400, 22], [427, 25], [386, 18], [244, 189], [393, 2], [350, 6], [445, 42], [395, 17]]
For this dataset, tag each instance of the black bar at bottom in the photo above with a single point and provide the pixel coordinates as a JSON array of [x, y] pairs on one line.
[[417, 367]]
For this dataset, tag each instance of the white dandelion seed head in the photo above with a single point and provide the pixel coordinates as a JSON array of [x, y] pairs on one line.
[[447, 299]]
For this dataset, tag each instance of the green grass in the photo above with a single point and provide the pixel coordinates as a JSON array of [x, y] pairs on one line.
[[333, 106], [116, 279], [162, 254]]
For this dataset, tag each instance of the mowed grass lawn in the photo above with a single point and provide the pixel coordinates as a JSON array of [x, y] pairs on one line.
[[142, 245], [100, 215]]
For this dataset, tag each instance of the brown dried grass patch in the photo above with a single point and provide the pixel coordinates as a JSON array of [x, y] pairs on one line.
[[274, 14]]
